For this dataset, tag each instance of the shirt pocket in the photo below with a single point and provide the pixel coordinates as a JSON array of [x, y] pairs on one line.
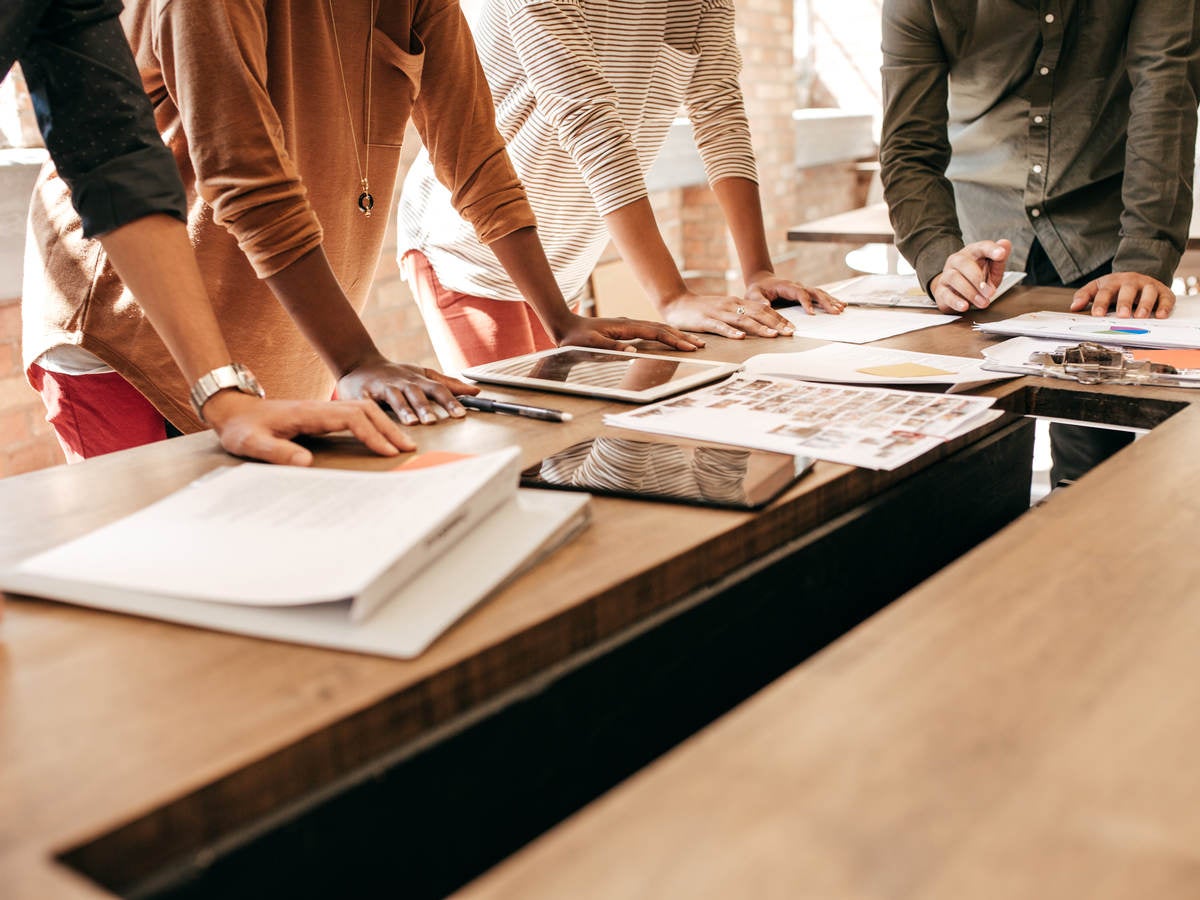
[[669, 81], [395, 84]]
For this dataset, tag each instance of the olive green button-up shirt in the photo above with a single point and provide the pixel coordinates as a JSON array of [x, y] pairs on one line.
[[1069, 121]]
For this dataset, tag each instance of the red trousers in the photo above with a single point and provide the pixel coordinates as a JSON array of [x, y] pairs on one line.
[[95, 414], [466, 330]]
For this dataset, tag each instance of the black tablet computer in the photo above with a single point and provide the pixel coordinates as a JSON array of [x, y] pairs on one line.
[[613, 374], [676, 471]]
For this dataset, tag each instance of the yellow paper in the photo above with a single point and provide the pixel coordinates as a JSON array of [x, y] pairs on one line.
[[903, 370]]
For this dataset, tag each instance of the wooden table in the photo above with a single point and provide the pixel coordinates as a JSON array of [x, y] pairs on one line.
[[870, 225], [1023, 724], [142, 753]]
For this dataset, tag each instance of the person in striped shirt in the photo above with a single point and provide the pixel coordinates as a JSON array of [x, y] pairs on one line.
[[585, 92]]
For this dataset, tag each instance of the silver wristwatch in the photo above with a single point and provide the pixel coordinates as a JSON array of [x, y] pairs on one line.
[[234, 375]]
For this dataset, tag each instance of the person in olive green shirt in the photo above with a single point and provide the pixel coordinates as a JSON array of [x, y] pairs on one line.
[[1052, 136]]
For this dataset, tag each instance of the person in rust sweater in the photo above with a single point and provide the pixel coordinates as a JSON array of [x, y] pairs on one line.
[[99, 129], [286, 121]]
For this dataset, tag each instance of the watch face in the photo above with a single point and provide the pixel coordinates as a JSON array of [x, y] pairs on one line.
[[247, 383]]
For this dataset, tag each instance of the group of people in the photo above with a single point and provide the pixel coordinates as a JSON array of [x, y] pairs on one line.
[[210, 225]]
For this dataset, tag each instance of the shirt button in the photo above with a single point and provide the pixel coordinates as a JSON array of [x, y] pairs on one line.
[[1044, 70], [1037, 169], [1049, 18], [1039, 119], [1035, 212]]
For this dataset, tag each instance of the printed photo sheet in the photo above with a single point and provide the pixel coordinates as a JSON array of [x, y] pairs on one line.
[[874, 428]]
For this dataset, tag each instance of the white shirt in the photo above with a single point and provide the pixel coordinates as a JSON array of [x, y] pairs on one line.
[[585, 93]]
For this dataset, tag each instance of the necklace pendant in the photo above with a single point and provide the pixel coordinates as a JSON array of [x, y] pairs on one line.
[[366, 203]]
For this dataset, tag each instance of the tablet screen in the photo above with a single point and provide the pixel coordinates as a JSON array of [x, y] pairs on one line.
[[660, 470], [602, 373]]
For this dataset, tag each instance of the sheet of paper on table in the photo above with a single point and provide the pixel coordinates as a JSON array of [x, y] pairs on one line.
[[1108, 330], [853, 364], [860, 325], [899, 290], [861, 426]]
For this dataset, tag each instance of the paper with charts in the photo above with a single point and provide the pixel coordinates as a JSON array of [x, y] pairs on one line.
[[859, 325], [1107, 330], [900, 290], [853, 364], [861, 426]]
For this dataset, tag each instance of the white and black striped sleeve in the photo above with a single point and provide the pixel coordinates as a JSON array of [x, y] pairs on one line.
[[715, 103], [555, 51]]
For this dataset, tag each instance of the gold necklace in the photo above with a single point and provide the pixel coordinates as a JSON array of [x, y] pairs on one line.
[[366, 201]]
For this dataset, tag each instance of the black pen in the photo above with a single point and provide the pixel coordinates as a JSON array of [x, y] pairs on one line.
[[483, 404]]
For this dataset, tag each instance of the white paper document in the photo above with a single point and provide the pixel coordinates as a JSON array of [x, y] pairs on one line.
[[291, 553], [1108, 330], [900, 290], [853, 364], [860, 426], [859, 325]]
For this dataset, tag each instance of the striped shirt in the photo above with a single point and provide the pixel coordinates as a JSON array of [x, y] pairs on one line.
[[585, 94]]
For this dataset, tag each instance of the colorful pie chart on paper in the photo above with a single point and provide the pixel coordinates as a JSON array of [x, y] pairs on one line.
[[1110, 329]]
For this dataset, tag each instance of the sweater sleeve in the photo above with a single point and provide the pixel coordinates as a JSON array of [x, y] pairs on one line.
[[214, 66], [552, 40], [455, 117], [715, 103]]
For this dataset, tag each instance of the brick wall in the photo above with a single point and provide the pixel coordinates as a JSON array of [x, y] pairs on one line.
[[25, 439]]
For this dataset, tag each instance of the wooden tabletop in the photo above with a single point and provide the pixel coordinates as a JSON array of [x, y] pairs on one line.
[[870, 225], [866, 225], [171, 736], [1021, 725]]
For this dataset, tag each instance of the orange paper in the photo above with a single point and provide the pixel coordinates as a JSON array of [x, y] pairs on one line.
[[1180, 359], [431, 459]]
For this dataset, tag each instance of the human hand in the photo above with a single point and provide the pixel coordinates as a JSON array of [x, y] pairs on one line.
[[970, 276], [724, 315], [615, 334], [1150, 294], [767, 286], [414, 394], [261, 429]]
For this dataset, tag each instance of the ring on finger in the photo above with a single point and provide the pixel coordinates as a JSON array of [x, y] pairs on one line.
[[741, 310]]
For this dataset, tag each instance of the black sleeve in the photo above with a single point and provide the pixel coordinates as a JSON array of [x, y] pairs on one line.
[[94, 116]]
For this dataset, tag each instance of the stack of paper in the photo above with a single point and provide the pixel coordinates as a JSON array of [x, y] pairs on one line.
[[362, 561], [850, 364], [900, 290], [860, 426]]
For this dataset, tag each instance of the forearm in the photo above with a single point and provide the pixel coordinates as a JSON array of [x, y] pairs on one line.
[[743, 214], [635, 232], [914, 145], [314, 299], [521, 254], [154, 258]]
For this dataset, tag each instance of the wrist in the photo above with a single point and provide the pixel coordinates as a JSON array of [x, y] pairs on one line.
[[367, 356], [225, 405], [757, 275], [558, 319], [669, 295]]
